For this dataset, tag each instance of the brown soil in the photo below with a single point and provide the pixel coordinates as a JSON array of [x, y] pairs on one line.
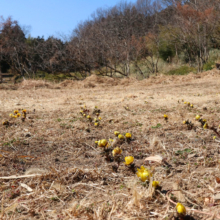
[[69, 177]]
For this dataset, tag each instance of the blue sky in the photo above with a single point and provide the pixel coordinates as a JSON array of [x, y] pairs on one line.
[[52, 17]]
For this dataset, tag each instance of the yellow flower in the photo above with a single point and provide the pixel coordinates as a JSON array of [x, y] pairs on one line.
[[95, 120], [96, 124], [143, 173], [197, 117], [128, 135], [88, 116], [11, 115], [5, 123], [24, 110], [15, 111], [96, 142], [188, 103], [111, 140], [191, 105], [165, 117], [15, 116], [129, 160], [96, 106], [214, 137], [121, 137], [155, 184], [185, 102], [116, 151], [102, 143], [180, 209], [97, 114], [18, 115], [84, 115], [100, 118], [116, 133], [204, 120], [184, 122], [205, 126]]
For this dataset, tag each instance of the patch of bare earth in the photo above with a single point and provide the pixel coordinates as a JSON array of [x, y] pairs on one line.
[[52, 169]]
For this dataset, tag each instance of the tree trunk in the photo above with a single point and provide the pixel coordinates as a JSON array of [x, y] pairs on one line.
[[1, 78]]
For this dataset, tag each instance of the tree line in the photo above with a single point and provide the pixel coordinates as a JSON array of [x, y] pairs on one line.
[[113, 39]]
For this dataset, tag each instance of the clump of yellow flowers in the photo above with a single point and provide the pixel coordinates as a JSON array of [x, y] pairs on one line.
[[102, 143], [129, 160], [180, 209], [143, 173], [17, 114], [5, 123]]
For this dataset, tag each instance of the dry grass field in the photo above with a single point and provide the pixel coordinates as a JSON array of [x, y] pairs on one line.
[[51, 167]]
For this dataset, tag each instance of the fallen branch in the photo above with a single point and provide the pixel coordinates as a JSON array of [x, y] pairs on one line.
[[18, 177]]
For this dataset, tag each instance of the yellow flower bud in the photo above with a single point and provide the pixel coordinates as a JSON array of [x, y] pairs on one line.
[[155, 184], [165, 117], [116, 151], [116, 133], [129, 160], [128, 135], [121, 137], [197, 117], [205, 126], [180, 209]]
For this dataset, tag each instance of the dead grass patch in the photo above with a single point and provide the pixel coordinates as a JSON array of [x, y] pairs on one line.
[[52, 169]]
